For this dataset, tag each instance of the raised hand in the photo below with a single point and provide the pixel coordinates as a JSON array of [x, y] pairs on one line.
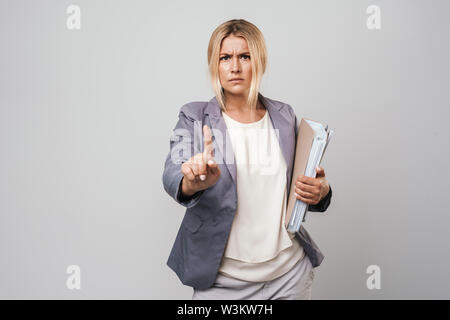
[[200, 171]]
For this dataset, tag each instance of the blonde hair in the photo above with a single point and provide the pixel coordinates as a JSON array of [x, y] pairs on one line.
[[258, 56]]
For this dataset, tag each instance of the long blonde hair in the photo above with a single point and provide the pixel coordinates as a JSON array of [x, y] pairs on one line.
[[258, 56]]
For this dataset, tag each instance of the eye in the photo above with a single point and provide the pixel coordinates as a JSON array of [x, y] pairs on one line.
[[246, 56], [223, 58]]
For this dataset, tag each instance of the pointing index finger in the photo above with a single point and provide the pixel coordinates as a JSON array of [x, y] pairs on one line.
[[207, 143]]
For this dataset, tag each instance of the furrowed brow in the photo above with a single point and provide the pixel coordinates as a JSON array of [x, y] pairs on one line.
[[230, 54]]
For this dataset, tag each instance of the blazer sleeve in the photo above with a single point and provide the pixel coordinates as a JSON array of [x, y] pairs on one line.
[[181, 149], [325, 202], [322, 205]]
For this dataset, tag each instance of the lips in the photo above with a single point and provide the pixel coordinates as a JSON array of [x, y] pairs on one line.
[[236, 80]]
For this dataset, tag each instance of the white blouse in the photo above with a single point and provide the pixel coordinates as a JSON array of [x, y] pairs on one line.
[[259, 248]]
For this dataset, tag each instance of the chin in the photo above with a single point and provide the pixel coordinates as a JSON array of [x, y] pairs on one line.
[[237, 91]]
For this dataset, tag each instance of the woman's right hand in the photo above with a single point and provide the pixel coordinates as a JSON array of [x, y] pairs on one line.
[[199, 166]]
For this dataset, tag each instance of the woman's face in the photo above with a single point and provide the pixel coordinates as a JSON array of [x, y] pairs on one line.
[[234, 62]]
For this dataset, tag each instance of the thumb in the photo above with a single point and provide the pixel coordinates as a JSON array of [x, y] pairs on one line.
[[320, 172], [213, 166]]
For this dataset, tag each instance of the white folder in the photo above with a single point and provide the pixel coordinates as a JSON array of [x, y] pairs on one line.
[[312, 141]]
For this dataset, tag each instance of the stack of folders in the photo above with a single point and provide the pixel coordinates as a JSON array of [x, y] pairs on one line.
[[312, 141]]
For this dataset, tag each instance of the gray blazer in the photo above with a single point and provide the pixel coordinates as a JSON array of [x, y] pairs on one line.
[[202, 237]]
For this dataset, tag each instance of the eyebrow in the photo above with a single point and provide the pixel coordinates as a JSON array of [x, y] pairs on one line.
[[230, 54]]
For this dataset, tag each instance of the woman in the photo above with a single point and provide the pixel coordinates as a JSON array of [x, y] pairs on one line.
[[233, 243]]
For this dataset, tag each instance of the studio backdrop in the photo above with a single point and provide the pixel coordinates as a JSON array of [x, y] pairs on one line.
[[90, 92]]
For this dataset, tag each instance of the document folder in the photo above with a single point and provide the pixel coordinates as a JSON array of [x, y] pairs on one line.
[[312, 140]]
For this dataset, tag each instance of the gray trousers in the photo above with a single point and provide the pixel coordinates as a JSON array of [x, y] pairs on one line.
[[296, 284]]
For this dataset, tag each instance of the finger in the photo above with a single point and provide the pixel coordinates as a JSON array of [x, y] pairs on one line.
[[215, 171], [306, 187], [201, 165], [305, 194], [213, 166], [187, 172], [320, 172], [207, 143], [194, 168], [308, 180], [305, 200]]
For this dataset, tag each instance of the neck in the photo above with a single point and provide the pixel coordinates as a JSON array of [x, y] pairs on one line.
[[238, 103]]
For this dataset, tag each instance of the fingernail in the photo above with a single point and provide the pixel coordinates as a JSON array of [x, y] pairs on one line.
[[202, 177], [210, 162]]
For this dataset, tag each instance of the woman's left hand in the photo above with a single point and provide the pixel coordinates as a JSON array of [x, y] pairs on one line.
[[312, 190]]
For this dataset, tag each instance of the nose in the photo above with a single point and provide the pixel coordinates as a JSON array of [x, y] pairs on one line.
[[235, 65]]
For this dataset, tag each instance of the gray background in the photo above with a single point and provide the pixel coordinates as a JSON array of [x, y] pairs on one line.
[[86, 117]]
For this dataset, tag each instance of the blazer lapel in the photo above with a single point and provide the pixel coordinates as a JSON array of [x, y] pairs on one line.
[[282, 124]]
